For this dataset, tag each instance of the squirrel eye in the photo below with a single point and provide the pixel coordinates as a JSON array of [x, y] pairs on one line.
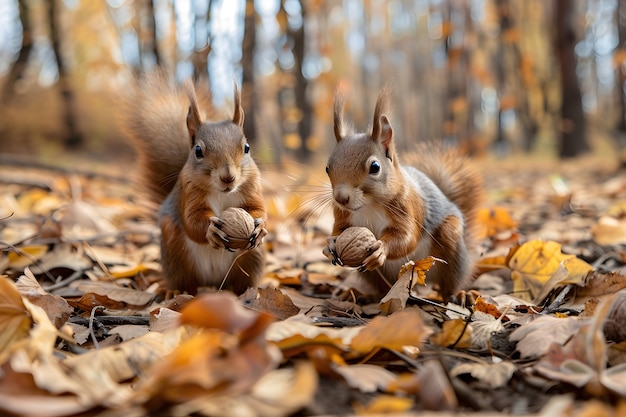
[[327, 170], [246, 148], [375, 167], [198, 152]]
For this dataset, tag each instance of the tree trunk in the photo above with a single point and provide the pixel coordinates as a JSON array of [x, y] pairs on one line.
[[73, 139], [572, 130], [202, 47], [248, 96], [302, 102], [148, 43], [18, 67], [621, 81]]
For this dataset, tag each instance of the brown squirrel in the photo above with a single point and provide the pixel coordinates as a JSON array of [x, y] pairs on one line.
[[195, 169], [412, 212]]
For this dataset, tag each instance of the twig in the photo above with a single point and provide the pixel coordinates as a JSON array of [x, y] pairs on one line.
[[76, 275], [91, 332]]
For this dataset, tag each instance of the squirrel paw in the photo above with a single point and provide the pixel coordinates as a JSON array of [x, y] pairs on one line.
[[330, 251], [215, 236], [376, 259], [257, 235]]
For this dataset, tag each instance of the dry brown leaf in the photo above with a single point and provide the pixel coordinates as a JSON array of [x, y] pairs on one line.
[[209, 362], [163, 319], [279, 393], [496, 374], [15, 319], [402, 328], [365, 377], [535, 338], [610, 231], [270, 300], [129, 331], [116, 293], [63, 255], [435, 393], [19, 395], [56, 307], [222, 311]]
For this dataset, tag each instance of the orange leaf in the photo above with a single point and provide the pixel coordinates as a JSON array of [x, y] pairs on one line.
[[403, 328]]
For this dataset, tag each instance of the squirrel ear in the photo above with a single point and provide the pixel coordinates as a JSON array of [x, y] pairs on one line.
[[238, 116], [386, 132], [338, 117], [193, 116]]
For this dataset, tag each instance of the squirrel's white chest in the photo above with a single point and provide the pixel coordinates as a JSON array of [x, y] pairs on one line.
[[219, 202], [373, 217]]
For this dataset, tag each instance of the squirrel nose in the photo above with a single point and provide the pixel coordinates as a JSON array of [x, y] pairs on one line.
[[227, 179], [342, 199]]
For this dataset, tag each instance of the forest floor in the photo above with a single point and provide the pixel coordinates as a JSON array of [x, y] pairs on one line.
[[88, 328]]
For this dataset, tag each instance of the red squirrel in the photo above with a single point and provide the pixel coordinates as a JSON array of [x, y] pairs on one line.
[[414, 212], [195, 169]]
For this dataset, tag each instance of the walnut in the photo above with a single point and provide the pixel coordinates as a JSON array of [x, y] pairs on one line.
[[238, 224], [355, 244]]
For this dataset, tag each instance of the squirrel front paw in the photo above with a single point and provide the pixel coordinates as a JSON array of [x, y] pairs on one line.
[[217, 238], [257, 235], [330, 251], [376, 259]]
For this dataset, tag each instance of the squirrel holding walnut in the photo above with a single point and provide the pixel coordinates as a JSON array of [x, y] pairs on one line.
[[412, 212], [197, 171]]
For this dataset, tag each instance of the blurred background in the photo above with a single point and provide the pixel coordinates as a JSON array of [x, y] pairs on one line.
[[498, 77]]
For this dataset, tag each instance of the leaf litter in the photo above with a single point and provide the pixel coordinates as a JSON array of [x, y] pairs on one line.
[[88, 328]]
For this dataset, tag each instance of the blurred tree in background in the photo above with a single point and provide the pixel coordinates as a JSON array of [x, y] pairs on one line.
[[503, 76]]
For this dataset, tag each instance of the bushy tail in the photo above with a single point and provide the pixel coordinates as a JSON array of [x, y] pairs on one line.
[[453, 173], [153, 116]]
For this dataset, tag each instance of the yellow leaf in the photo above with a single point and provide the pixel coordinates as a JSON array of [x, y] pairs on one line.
[[15, 321], [455, 333], [128, 271], [26, 256], [534, 263], [385, 404]]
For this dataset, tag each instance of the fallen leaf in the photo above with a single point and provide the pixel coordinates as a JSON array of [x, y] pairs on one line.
[[57, 309], [384, 404], [496, 374], [535, 338], [366, 378], [270, 300], [534, 262], [15, 319], [402, 328], [455, 333], [116, 293], [494, 220], [26, 255], [609, 231]]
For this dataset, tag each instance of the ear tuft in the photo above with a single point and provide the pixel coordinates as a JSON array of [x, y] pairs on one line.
[[338, 116], [238, 115], [194, 121], [386, 132]]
